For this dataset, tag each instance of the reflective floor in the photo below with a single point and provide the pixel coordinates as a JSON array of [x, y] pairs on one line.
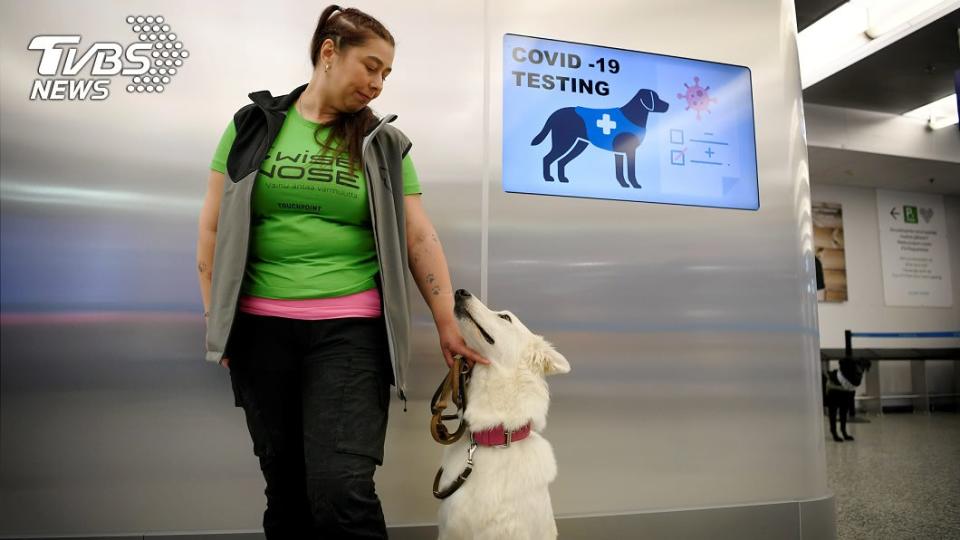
[[900, 478]]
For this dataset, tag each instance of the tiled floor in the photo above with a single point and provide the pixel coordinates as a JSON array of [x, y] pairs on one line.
[[900, 478]]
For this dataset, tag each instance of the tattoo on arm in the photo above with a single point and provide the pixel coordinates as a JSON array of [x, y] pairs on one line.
[[202, 267]]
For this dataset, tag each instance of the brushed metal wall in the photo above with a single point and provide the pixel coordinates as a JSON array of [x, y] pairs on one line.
[[692, 332]]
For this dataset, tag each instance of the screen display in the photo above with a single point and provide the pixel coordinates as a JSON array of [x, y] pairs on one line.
[[603, 123]]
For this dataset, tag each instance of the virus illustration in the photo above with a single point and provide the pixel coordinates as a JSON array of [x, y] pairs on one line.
[[698, 97]]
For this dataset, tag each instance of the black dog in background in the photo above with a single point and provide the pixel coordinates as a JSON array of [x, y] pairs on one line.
[[839, 387]]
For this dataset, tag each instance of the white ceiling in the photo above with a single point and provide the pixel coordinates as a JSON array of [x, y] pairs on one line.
[[864, 169]]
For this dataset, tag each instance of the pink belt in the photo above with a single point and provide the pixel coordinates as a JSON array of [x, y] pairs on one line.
[[361, 304]]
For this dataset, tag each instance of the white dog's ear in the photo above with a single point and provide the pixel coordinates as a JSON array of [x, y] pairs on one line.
[[548, 360]]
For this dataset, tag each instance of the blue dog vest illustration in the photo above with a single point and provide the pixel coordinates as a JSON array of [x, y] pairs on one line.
[[603, 126]]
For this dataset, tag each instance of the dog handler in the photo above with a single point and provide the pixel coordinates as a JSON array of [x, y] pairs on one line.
[[312, 208]]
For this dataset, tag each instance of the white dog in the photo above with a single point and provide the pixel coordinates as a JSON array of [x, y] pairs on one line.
[[506, 495]]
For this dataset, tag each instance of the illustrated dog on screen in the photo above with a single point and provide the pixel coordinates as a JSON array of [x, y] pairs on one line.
[[618, 130]]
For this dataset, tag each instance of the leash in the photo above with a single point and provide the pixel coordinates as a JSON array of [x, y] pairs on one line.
[[455, 485], [454, 387]]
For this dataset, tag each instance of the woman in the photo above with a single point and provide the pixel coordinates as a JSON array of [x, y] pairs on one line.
[[302, 247]]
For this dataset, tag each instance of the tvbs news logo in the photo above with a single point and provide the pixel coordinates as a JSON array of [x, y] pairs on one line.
[[149, 63]]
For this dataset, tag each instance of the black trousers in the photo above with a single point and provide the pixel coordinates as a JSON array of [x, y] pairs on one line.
[[315, 395]]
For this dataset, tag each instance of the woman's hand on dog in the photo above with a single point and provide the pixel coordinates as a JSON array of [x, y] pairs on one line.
[[452, 344], [225, 362]]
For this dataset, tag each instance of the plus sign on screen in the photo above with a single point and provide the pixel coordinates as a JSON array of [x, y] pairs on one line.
[[606, 123]]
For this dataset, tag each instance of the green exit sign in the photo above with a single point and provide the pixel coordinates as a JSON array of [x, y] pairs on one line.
[[910, 214]]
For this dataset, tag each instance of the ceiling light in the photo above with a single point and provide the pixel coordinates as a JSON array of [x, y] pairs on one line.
[[884, 16], [939, 114], [860, 28]]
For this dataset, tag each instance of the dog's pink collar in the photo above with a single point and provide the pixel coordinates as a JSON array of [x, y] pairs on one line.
[[499, 436]]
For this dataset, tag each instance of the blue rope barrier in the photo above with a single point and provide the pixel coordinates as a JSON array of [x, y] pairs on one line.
[[848, 336], [906, 334]]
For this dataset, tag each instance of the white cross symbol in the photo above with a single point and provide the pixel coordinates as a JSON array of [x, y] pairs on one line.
[[606, 124]]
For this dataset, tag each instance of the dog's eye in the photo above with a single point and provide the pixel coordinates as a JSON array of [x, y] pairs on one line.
[[507, 317]]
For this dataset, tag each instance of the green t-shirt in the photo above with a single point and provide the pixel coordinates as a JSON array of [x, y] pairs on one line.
[[310, 230]]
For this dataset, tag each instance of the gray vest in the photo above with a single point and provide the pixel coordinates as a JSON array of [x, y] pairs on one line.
[[384, 148]]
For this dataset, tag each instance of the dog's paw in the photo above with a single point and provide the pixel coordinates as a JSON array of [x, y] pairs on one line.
[[847, 437], [837, 438]]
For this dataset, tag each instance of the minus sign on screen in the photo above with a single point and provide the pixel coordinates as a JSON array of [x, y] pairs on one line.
[[709, 142]]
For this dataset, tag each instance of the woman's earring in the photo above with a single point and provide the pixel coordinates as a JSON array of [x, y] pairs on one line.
[[326, 68]]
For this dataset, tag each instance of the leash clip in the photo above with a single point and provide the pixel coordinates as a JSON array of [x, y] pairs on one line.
[[470, 452], [459, 480]]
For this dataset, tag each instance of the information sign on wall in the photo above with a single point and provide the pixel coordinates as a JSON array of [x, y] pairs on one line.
[[913, 249]]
